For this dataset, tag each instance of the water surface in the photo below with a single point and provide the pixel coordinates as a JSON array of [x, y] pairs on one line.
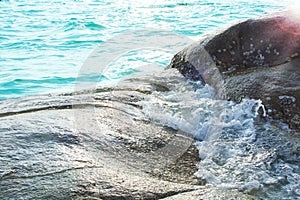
[[44, 43]]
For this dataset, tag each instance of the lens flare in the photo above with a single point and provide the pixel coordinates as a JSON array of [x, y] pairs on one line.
[[291, 23], [295, 11]]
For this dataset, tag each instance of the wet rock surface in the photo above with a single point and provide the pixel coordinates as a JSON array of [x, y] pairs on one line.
[[257, 59], [98, 145]]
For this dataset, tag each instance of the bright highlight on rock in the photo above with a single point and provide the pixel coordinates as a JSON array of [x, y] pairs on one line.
[[291, 24]]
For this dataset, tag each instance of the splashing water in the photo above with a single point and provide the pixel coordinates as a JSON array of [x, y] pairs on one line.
[[45, 43], [238, 150]]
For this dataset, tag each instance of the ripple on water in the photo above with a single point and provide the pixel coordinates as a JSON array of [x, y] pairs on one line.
[[44, 26], [45, 43]]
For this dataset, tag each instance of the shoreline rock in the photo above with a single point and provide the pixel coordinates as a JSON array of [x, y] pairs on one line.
[[101, 145], [97, 145], [257, 58]]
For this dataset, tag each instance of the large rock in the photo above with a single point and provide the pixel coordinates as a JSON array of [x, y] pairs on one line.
[[98, 145], [257, 59]]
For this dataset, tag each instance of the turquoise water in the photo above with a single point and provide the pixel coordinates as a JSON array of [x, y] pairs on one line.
[[44, 43]]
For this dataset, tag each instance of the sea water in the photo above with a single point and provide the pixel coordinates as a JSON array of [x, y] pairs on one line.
[[44, 45]]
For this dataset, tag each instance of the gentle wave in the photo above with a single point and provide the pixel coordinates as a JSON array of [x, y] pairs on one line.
[[32, 85], [72, 29]]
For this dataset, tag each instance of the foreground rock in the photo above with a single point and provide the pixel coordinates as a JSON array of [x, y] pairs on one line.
[[257, 59], [98, 145]]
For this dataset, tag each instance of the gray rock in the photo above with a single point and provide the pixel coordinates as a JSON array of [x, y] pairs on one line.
[[97, 145], [257, 59]]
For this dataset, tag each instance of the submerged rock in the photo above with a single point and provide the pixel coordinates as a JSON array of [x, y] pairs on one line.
[[98, 145], [257, 59]]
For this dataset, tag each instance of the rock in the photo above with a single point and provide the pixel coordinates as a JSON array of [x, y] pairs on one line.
[[210, 193], [257, 59], [96, 145]]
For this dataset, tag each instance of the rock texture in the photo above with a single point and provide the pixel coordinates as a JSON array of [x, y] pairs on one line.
[[101, 144], [257, 59], [97, 145]]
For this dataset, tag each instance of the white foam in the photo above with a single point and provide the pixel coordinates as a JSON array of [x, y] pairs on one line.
[[234, 154]]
